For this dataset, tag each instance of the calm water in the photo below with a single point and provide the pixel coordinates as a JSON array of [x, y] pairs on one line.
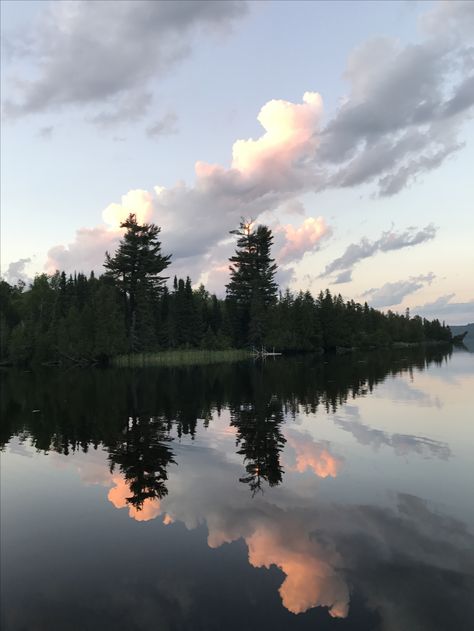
[[303, 493]]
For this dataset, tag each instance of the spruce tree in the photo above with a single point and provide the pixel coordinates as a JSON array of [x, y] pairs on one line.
[[136, 268], [252, 288]]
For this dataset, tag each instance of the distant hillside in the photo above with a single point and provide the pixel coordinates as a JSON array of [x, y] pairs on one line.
[[468, 341], [458, 329]]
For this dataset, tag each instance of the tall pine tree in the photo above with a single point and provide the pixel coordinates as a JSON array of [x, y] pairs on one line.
[[252, 288], [136, 268]]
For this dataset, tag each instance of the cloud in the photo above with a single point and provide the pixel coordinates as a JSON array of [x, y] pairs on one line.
[[94, 469], [126, 108], [293, 207], [388, 241], [163, 126], [403, 392], [215, 278], [92, 466], [462, 99], [313, 455], [138, 201], [85, 253], [343, 277], [449, 19], [118, 495], [18, 447], [264, 174], [402, 444], [87, 53], [304, 239], [322, 547], [285, 276], [46, 133], [288, 137], [393, 293], [16, 272], [283, 539], [442, 308], [405, 107], [401, 118], [310, 579]]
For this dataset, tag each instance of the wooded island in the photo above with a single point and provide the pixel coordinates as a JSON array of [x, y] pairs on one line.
[[130, 309]]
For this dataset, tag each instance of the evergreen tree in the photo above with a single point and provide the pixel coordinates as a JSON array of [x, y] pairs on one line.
[[82, 319], [110, 334], [252, 288], [143, 455], [260, 439], [9, 315], [136, 268]]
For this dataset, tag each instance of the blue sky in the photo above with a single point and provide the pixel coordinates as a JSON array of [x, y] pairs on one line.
[[360, 159]]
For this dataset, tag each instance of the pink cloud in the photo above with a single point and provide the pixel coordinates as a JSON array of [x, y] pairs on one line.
[[304, 239], [118, 497], [264, 173], [311, 578], [85, 253], [289, 134], [313, 455], [136, 201]]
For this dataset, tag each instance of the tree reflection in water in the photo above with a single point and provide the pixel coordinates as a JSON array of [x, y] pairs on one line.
[[260, 440], [399, 561], [143, 455], [135, 414]]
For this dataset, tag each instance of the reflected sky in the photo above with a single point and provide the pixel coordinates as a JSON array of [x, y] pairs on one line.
[[261, 506]]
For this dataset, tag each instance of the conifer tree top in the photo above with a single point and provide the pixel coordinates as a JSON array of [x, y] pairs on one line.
[[138, 258], [252, 269]]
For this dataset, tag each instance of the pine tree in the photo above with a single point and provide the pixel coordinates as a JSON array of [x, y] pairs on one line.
[[136, 268], [252, 288]]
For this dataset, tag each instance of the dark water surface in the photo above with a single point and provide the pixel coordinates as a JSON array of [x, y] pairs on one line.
[[303, 493]]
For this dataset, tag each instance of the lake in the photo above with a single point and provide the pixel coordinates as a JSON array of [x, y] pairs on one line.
[[298, 493]]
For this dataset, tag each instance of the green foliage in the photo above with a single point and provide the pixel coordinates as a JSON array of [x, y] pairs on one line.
[[63, 319], [136, 269], [252, 288]]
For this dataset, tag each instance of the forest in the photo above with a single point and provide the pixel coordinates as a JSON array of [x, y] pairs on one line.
[[78, 318]]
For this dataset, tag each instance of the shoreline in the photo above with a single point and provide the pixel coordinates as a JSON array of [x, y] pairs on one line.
[[200, 357], [193, 357]]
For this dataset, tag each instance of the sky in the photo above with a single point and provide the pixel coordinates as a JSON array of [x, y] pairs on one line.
[[346, 127]]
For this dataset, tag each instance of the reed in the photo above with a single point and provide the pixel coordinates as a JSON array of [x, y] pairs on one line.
[[180, 358]]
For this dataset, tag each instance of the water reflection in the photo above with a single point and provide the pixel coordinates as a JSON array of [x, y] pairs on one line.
[[143, 455], [402, 444], [153, 440], [315, 456], [260, 440], [284, 539], [134, 415]]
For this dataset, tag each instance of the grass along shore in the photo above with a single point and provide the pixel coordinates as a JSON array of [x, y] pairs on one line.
[[180, 358], [193, 357]]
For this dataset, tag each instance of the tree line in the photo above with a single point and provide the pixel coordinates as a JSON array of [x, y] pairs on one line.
[[64, 318]]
